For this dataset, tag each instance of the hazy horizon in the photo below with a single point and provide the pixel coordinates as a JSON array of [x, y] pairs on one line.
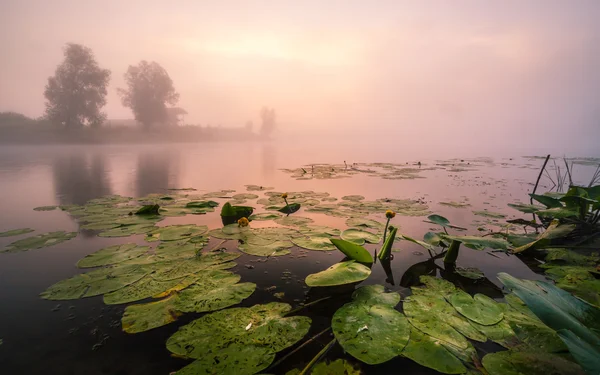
[[431, 73]]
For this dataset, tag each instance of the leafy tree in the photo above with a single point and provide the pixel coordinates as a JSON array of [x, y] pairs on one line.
[[268, 119], [149, 89], [77, 91]]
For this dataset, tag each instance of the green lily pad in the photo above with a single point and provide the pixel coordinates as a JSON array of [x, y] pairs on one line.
[[339, 274], [100, 225], [244, 196], [93, 283], [530, 363], [112, 255], [490, 214], [237, 340], [547, 201], [337, 367], [442, 221], [265, 216], [360, 222], [418, 242], [180, 267], [151, 209], [294, 220], [369, 328], [577, 280], [288, 209], [147, 316], [258, 188], [176, 232], [526, 208], [128, 230], [455, 204], [39, 241], [428, 352], [45, 208], [143, 288], [319, 230], [353, 251], [15, 232], [555, 230], [480, 308], [359, 236], [558, 213], [472, 273], [277, 248], [355, 198], [478, 243], [214, 290], [314, 242]]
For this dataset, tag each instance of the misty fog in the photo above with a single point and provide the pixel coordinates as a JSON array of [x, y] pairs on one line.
[[492, 76]]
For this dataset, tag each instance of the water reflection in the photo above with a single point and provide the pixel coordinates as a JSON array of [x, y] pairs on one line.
[[79, 177], [268, 156], [156, 171]]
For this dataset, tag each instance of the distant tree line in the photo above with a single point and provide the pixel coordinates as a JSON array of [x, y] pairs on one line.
[[76, 93]]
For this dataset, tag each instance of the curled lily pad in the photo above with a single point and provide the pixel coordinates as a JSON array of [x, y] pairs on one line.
[[555, 230], [369, 328], [237, 340], [427, 351], [39, 241], [480, 308], [112, 255], [176, 232], [478, 243], [530, 363], [339, 274], [277, 248], [314, 242], [353, 251], [147, 316], [359, 236], [15, 232], [94, 283], [289, 209]]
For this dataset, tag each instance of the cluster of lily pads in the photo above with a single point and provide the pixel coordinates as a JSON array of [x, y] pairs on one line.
[[436, 326]]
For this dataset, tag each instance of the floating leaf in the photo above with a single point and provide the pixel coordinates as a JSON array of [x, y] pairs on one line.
[[143, 288], [478, 243], [147, 316], [353, 251], [355, 198], [15, 232], [112, 255], [472, 273], [339, 274], [493, 215], [387, 330], [176, 232], [151, 209], [289, 209], [359, 236], [294, 220], [277, 248], [439, 220], [94, 283], [547, 201], [337, 367], [315, 242], [530, 363], [128, 230], [221, 343], [265, 216], [428, 352], [45, 208], [558, 213], [39, 241], [480, 308], [525, 208], [360, 222]]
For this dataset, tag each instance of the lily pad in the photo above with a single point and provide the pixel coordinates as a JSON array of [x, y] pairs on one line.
[[337, 367], [294, 220], [45, 208], [353, 251], [355, 198], [176, 232], [93, 283], [530, 363], [526, 208], [314, 242], [128, 230], [339, 274], [360, 222], [455, 204], [143, 288], [258, 188], [478, 243], [554, 230], [359, 236], [147, 316], [112, 255], [214, 290], [289, 209], [428, 352], [237, 340], [39, 241], [472, 273], [265, 216], [369, 328], [15, 232], [490, 214], [480, 308], [277, 248]]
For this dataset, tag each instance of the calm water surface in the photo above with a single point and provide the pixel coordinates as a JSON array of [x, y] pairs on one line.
[[85, 337]]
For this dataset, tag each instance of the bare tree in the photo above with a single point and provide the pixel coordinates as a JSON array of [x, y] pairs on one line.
[[77, 91], [149, 90]]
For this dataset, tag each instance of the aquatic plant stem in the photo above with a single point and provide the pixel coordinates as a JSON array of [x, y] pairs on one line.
[[317, 357], [307, 305], [539, 176], [386, 227], [299, 347], [452, 253], [287, 206]]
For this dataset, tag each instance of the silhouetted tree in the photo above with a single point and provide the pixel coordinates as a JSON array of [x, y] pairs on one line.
[[77, 91], [149, 89], [268, 119]]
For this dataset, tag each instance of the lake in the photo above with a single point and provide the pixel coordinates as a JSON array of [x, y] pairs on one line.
[[84, 336]]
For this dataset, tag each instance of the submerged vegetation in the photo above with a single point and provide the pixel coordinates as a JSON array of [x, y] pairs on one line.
[[441, 323]]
